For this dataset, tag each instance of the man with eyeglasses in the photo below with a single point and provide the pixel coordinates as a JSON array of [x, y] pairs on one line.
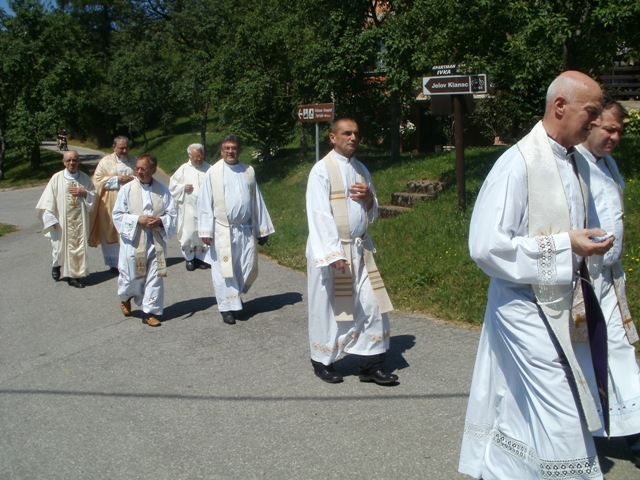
[[608, 278], [232, 216], [145, 217]]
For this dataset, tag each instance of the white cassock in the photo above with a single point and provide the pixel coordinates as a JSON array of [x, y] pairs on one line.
[[66, 222], [149, 290], [606, 187], [522, 419], [369, 332], [187, 205], [249, 219]]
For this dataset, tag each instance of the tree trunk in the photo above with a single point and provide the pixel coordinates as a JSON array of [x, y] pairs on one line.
[[303, 142], [394, 111], [203, 126], [36, 159]]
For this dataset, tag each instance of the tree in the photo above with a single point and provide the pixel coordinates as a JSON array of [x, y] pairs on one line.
[[48, 81], [521, 44], [194, 29], [138, 86]]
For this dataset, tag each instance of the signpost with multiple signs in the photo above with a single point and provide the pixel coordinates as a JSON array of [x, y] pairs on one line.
[[446, 80], [318, 112]]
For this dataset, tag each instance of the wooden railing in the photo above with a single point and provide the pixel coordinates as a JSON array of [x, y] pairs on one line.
[[623, 83]]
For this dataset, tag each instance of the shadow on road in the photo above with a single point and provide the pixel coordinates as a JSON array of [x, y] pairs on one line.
[[188, 308], [270, 303]]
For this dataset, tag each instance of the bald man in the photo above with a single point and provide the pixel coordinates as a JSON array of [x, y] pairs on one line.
[[64, 210], [530, 412]]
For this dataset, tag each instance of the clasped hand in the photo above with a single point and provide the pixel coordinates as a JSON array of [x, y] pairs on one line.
[[149, 221], [77, 191]]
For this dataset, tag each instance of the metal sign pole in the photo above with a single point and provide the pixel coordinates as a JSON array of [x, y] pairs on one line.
[[317, 142], [316, 113]]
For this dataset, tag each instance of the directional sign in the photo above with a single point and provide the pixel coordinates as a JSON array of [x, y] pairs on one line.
[[319, 112], [447, 85]]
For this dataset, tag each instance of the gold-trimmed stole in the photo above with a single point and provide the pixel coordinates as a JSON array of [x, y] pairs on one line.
[[343, 287], [140, 241], [223, 229]]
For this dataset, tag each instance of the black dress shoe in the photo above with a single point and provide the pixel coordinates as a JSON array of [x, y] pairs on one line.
[[326, 373], [201, 265], [74, 282], [380, 377], [55, 273], [228, 318], [327, 376], [114, 270], [191, 266]]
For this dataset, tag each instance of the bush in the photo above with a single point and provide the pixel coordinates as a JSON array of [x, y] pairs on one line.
[[632, 126]]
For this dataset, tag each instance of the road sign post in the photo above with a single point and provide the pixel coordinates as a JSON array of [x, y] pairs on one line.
[[447, 81], [316, 113]]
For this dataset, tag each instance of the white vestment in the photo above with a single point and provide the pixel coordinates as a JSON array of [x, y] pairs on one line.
[[105, 179], [523, 421], [187, 205], [66, 222], [248, 219], [606, 186], [369, 332], [149, 290]]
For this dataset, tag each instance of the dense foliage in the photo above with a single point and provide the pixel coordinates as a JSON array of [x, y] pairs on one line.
[[103, 67]]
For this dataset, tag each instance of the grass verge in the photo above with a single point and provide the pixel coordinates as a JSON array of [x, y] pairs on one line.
[[5, 228]]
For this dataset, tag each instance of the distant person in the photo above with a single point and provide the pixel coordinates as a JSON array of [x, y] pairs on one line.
[[185, 188], [530, 411], [62, 139], [64, 208], [348, 303], [231, 216], [607, 187], [112, 172], [145, 217]]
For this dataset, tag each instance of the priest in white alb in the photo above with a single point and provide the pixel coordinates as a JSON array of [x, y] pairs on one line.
[[607, 188], [232, 217], [184, 186], [64, 209], [348, 303], [145, 217], [530, 413]]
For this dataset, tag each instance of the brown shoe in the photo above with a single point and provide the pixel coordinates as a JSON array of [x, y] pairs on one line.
[[126, 308], [152, 321]]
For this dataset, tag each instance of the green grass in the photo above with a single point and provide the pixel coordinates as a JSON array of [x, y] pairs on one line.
[[423, 254], [5, 228]]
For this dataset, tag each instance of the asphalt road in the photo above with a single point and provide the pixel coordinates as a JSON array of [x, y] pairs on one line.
[[86, 393]]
